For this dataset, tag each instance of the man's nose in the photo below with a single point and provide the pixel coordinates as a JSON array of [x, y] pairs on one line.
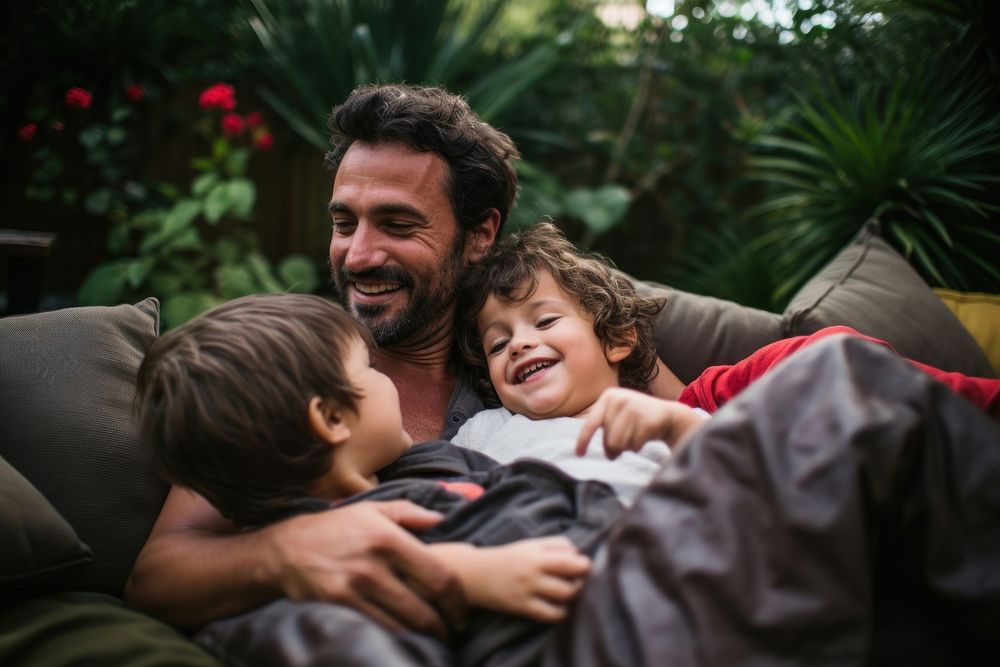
[[365, 250]]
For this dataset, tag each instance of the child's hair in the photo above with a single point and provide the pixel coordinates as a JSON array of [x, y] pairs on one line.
[[510, 271], [223, 400]]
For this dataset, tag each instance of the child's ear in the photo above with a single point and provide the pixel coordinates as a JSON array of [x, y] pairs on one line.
[[327, 422], [619, 353]]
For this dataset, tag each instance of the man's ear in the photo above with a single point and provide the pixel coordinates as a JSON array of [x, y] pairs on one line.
[[327, 422], [619, 353], [479, 239]]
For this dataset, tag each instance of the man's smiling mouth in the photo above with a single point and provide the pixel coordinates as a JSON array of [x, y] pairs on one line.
[[372, 289], [531, 370]]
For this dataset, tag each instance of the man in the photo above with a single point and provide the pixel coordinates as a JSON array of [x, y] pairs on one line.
[[421, 189]]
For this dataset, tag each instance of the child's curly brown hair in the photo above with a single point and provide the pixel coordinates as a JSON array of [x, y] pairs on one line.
[[511, 270]]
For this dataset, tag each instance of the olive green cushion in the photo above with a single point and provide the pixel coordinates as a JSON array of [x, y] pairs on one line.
[[867, 286], [872, 288], [65, 629], [694, 332], [67, 381], [38, 544]]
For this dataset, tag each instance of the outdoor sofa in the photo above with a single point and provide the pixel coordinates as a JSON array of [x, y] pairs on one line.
[[79, 494]]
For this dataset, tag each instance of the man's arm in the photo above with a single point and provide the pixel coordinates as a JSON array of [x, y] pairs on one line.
[[196, 568], [535, 578]]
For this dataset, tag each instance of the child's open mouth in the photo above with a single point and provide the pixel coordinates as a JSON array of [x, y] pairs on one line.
[[532, 370]]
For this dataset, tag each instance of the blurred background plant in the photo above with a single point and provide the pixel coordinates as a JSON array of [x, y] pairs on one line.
[[722, 146], [200, 248]]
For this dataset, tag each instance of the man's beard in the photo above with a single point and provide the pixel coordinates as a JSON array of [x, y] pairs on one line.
[[425, 308]]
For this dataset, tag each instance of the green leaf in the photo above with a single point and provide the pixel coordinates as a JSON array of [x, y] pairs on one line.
[[234, 281], [117, 136], [298, 273], [599, 209], [236, 162], [105, 285], [91, 137], [262, 271], [217, 203], [204, 183], [178, 309], [242, 195], [98, 202], [202, 164], [138, 271], [180, 216]]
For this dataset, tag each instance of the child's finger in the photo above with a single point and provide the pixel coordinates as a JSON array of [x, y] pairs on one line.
[[567, 565], [558, 589], [591, 423], [543, 610]]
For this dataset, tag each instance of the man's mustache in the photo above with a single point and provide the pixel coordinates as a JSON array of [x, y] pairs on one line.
[[387, 274]]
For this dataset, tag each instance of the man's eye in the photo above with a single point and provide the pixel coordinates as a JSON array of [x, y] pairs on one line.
[[400, 228], [343, 226]]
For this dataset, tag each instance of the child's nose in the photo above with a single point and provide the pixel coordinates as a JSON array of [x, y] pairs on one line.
[[520, 345]]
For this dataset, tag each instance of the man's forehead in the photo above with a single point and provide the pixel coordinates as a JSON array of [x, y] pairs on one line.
[[391, 163]]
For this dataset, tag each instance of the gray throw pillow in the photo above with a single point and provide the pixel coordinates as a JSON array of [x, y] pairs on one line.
[[67, 381], [872, 288], [694, 332], [38, 544]]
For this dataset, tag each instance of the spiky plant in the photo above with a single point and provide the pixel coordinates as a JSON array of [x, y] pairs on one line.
[[317, 51], [921, 156]]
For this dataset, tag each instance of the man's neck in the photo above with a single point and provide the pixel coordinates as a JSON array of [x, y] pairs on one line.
[[423, 380]]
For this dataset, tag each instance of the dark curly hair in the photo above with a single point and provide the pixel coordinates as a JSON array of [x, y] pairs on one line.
[[510, 271], [223, 400], [480, 158]]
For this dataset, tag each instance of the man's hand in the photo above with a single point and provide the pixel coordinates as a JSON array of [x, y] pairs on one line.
[[630, 419], [362, 557]]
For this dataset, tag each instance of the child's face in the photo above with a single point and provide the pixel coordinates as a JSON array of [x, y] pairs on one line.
[[377, 437], [543, 355]]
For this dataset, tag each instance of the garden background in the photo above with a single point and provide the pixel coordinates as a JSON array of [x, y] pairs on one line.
[[729, 148]]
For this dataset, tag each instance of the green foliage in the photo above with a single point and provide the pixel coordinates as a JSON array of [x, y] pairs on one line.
[[201, 248], [317, 51], [920, 156]]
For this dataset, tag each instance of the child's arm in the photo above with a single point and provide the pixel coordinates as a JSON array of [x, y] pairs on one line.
[[535, 578], [631, 419]]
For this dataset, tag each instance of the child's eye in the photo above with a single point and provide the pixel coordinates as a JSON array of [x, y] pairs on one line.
[[498, 347], [547, 321]]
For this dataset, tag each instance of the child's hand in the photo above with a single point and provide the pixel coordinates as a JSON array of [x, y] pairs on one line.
[[631, 419], [535, 578]]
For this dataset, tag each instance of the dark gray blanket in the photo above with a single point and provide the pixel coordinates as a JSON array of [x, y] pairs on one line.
[[845, 510]]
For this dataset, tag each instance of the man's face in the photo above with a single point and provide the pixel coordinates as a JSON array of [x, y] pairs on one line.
[[396, 253]]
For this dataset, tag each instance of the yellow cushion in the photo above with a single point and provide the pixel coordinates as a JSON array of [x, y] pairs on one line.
[[980, 313]]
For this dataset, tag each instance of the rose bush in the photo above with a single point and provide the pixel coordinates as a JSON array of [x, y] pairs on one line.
[[201, 249]]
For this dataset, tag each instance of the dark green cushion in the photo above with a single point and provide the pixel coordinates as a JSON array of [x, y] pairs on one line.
[[67, 380], [872, 288], [65, 629], [37, 542]]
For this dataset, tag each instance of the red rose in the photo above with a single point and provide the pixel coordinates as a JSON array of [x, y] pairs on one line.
[[78, 98], [135, 92], [263, 141], [27, 132], [220, 96], [255, 119], [233, 124], [58, 125]]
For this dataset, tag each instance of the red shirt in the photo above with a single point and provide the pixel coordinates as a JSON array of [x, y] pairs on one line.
[[718, 384]]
